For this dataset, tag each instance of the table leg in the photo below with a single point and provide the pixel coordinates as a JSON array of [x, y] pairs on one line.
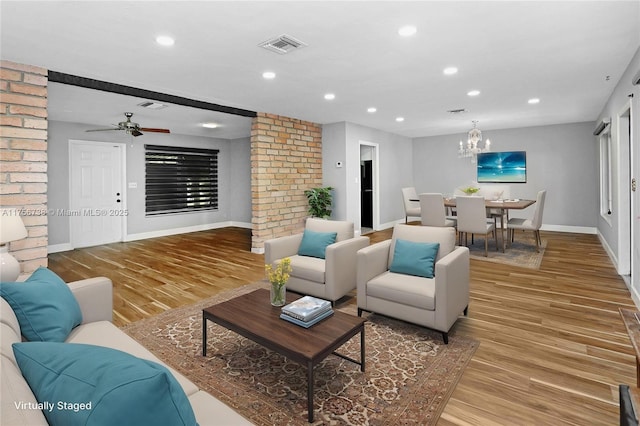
[[362, 349], [502, 217], [204, 335], [310, 391]]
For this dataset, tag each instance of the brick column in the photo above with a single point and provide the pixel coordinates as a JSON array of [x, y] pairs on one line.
[[286, 159], [23, 157]]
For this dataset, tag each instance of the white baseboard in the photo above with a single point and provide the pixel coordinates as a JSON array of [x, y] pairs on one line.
[[554, 228], [57, 248], [571, 229]]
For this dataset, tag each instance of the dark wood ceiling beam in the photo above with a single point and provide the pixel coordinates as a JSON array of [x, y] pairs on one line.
[[105, 86]]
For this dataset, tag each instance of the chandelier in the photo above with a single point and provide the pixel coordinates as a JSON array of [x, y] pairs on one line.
[[472, 149]]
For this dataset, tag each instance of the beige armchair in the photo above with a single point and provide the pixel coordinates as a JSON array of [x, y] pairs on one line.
[[329, 278], [434, 302]]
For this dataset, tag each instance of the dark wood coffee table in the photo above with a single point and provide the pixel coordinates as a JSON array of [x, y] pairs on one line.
[[252, 316]]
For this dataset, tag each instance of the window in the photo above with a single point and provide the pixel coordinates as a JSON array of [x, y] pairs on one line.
[[180, 179], [605, 173]]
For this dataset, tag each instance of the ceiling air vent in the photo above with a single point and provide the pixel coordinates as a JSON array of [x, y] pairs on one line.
[[152, 105], [282, 44]]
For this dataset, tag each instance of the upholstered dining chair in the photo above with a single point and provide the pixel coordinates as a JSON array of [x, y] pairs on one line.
[[323, 258], [534, 224], [411, 208], [419, 276], [496, 192], [472, 219], [433, 211]]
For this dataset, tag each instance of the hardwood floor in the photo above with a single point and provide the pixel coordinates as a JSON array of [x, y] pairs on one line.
[[553, 347]]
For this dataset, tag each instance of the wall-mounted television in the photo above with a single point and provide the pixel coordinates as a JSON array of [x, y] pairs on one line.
[[503, 167]]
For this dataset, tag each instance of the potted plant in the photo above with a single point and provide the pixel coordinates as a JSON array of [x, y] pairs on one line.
[[320, 200]]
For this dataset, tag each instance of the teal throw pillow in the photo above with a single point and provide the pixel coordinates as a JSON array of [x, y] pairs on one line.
[[93, 386], [315, 244], [46, 309], [413, 258]]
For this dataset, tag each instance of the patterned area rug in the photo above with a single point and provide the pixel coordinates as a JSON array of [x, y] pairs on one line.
[[522, 252], [410, 373]]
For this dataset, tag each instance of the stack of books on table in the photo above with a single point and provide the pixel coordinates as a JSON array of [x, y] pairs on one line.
[[306, 311]]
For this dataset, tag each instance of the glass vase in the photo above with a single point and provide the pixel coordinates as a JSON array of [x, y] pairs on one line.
[[278, 294]]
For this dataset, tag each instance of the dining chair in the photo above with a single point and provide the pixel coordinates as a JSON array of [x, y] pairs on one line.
[[534, 224], [411, 208], [472, 219], [433, 211], [496, 192]]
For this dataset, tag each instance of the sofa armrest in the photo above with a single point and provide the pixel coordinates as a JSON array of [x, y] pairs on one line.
[[278, 248], [95, 297], [340, 266], [452, 286], [372, 261]]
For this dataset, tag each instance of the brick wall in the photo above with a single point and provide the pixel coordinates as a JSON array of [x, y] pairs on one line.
[[23, 157], [286, 159]]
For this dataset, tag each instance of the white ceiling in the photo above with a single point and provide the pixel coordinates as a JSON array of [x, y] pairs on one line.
[[560, 52]]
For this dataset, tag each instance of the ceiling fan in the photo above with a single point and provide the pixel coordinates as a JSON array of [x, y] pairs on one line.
[[130, 127]]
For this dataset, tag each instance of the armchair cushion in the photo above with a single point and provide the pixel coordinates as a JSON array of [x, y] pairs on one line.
[[44, 305], [308, 268], [407, 290], [413, 258], [314, 244]]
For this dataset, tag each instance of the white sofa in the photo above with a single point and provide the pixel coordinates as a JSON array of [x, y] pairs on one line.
[[95, 297]]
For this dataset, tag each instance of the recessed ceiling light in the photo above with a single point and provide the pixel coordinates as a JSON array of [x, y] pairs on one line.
[[165, 40], [399, 119], [534, 101], [473, 93], [210, 125], [268, 75], [329, 96], [450, 70], [407, 30], [371, 110]]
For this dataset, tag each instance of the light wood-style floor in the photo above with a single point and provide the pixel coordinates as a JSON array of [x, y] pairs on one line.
[[553, 347]]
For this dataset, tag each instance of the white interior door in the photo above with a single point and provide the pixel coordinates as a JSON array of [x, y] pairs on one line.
[[634, 134], [96, 194]]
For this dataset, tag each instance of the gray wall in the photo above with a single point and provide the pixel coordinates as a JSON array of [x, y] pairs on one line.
[[563, 159], [341, 142], [615, 236], [234, 179]]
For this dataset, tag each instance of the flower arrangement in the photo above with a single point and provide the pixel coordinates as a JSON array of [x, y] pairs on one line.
[[470, 190], [278, 278]]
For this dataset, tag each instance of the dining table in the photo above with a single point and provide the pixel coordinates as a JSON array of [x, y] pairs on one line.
[[502, 205]]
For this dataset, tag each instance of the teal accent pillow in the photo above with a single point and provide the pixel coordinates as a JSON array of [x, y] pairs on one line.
[[44, 305], [93, 386], [315, 244], [413, 258]]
